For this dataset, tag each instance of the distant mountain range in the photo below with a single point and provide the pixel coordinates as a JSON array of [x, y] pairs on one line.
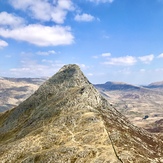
[[125, 86], [116, 86], [66, 120], [25, 80]]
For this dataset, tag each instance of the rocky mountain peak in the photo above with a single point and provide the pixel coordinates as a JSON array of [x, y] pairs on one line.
[[69, 76], [68, 79]]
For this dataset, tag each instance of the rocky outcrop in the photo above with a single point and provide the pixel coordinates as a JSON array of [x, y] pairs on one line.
[[156, 127], [67, 120]]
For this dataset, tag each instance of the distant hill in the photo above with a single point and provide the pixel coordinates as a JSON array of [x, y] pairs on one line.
[[116, 86], [67, 120], [15, 90], [26, 80], [155, 85]]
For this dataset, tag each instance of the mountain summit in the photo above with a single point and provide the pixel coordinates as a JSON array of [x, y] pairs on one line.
[[67, 120]]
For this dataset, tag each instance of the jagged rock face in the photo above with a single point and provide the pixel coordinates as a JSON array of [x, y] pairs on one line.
[[67, 120]]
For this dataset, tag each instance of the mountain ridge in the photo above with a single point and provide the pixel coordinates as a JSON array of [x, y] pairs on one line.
[[155, 85], [116, 86], [63, 121]]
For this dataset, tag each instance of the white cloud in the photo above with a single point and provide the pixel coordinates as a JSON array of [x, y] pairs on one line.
[[89, 74], [84, 17], [142, 70], [40, 35], [106, 54], [159, 70], [102, 55], [125, 71], [44, 10], [160, 56], [122, 61], [82, 66], [59, 12], [3, 44], [10, 20], [46, 53], [59, 16], [147, 58], [101, 1], [47, 61]]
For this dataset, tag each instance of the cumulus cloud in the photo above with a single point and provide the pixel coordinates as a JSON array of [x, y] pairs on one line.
[[44, 10], [147, 58], [142, 70], [84, 17], [3, 44], [160, 56], [46, 53], [15, 27], [102, 55], [10, 20], [90, 74], [124, 71], [106, 54], [121, 61], [159, 70], [46, 61], [102, 1], [40, 35]]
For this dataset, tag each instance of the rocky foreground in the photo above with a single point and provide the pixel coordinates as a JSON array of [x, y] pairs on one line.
[[67, 120]]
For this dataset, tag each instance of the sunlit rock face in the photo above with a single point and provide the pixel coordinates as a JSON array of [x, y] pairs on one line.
[[67, 120]]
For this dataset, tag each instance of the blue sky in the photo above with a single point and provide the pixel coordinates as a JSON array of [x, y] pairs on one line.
[[111, 40]]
